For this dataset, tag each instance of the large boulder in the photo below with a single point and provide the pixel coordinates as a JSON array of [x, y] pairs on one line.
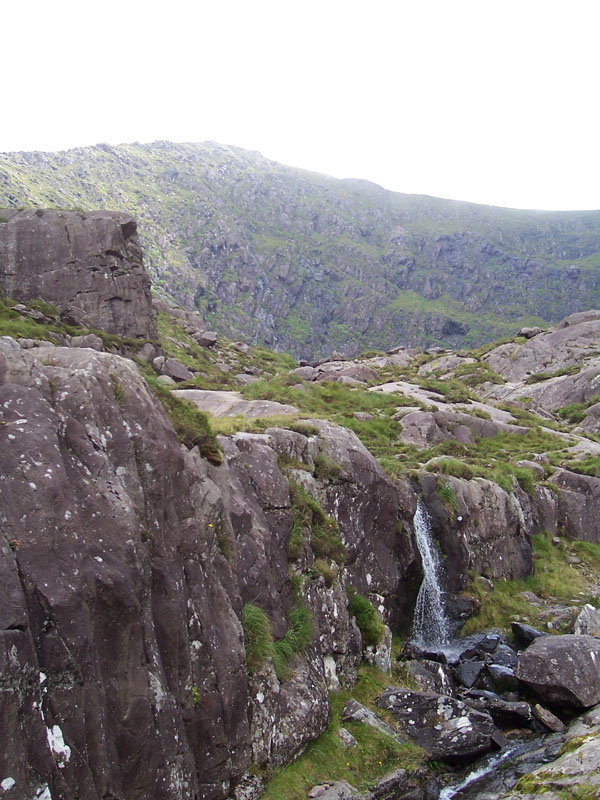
[[562, 670], [89, 265], [447, 728]]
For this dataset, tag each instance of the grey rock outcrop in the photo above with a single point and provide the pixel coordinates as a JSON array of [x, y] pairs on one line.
[[89, 265], [562, 670]]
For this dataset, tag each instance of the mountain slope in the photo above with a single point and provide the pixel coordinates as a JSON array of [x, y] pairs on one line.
[[307, 263]]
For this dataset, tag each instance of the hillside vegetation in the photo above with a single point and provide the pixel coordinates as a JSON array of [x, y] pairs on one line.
[[306, 263]]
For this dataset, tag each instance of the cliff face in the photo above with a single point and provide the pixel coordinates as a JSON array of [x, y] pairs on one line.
[[89, 265], [307, 264]]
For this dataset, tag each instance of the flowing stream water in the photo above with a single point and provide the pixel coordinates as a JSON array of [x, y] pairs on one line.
[[431, 627]]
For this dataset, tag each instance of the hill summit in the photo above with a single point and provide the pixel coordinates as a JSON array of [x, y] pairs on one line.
[[307, 263]]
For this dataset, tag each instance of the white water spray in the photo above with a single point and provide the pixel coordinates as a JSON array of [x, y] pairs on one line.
[[430, 625]]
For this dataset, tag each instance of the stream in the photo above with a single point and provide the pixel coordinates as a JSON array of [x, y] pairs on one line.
[[497, 773]]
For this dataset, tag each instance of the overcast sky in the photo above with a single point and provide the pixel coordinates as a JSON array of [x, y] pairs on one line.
[[494, 101]]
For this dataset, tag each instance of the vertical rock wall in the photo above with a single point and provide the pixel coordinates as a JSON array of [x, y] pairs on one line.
[[89, 265]]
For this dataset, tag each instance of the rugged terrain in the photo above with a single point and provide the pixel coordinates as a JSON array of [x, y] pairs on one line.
[[202, 607], [306, 264]]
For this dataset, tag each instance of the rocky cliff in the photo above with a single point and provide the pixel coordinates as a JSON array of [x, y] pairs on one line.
[[89, 265], [306, 263], [179, 621]]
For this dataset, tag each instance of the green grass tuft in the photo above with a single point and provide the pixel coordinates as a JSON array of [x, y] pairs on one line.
[[367, 618]]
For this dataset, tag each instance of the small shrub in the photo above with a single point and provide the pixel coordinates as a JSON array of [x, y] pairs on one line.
[[367, 618], [225, 545]]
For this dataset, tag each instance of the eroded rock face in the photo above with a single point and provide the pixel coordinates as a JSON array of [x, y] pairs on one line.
[[562, 670], [89, 265]]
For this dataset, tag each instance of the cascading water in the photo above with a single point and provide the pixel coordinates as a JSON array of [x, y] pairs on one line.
[[430, 626]]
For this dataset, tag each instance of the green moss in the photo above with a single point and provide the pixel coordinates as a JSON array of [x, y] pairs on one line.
[[118, 389], [367, 618], [446, 493]]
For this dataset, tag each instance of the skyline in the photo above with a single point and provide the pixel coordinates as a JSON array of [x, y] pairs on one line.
[[487, 103]]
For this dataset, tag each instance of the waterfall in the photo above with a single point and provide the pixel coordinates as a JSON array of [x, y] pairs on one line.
[[430, 626]]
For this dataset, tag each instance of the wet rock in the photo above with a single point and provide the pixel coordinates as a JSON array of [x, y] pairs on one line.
[[420, 652], [89, 265], [587, 622], [503, 656], [503, 678], [468, 672], [548, 719], [486, 531], [562, 670], [505, 713], [393, 786], [525, 634], [447, 728]]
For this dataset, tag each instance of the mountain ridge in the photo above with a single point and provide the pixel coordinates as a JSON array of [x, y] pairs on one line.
[[307, 263]]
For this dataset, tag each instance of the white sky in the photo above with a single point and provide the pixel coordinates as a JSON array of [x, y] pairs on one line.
[[494, 101]]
